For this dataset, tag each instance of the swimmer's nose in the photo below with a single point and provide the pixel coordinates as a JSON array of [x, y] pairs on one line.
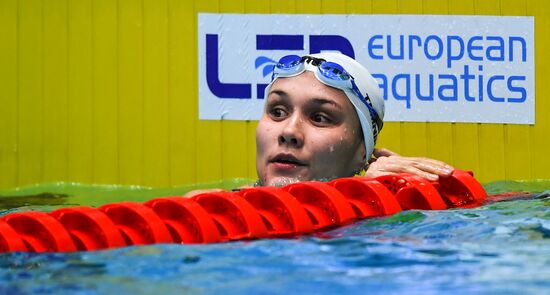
[[291, 133], [289, 139]]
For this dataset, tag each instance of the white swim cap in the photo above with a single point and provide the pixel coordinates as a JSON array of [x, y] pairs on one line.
[[368, 87]]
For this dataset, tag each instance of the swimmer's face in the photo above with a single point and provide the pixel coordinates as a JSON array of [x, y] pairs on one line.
[[309, 131]]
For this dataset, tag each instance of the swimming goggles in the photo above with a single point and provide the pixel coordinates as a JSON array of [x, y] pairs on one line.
[[331, 74]]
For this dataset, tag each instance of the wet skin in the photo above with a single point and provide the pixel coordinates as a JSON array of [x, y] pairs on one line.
[[308, 131]]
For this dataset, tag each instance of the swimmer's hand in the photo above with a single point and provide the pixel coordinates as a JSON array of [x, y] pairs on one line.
[[386, 162]]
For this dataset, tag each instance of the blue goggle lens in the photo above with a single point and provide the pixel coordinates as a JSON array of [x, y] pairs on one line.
[[333, 71], [288, 62]]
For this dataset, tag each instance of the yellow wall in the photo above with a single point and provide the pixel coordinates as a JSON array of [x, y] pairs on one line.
[[105, 91]]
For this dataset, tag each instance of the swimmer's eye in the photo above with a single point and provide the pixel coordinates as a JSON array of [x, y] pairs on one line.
[[278, 113], [321, 119]]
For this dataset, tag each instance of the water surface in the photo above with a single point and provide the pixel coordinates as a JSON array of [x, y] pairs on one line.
[[500, 248]]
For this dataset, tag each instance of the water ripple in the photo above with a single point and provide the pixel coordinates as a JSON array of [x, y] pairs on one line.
[[497, 249]]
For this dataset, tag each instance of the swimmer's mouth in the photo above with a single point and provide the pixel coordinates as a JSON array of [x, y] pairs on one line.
[[287, 159]]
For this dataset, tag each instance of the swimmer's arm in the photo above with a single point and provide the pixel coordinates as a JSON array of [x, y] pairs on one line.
[[387, 162], [212, 190], [202, 191]]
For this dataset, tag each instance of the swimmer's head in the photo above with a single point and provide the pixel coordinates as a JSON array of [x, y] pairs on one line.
[[362, 89], [322, 115]]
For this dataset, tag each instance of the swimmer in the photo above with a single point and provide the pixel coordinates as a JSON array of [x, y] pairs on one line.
[[322, 117], [321, 120]]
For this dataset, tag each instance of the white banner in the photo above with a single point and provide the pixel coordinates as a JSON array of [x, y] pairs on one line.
[[431, 68]]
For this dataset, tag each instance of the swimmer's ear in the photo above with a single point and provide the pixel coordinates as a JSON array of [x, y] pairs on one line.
[[361, 159], [363, 152]]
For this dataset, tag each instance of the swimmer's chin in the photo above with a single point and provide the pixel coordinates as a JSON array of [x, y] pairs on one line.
[[280, 181]]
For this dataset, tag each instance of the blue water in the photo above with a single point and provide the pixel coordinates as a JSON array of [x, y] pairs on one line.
[[500, 248]]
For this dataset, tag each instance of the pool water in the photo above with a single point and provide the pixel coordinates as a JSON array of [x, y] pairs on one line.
[[499, 248]]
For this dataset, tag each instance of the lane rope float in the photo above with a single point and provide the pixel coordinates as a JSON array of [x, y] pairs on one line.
[[260, 212]]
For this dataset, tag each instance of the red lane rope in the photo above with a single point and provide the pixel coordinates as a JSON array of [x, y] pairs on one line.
[[261, 212]]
